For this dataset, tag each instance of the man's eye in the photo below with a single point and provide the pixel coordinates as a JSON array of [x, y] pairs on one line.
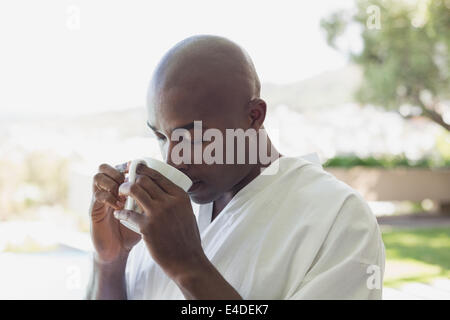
[[160, 137]]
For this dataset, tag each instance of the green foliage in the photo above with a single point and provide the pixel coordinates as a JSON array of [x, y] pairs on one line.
[[406, 61], [443, 145], [385, 162], [416, 255]]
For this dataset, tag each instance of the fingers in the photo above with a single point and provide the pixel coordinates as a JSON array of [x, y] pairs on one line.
[[104, 182], [108, 198], [111, 172], [164, 183], [150, 186], [137, 193], [132, 217], [106, 186]]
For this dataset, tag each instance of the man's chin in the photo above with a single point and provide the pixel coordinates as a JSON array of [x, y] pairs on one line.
[[201, 197], [198, 199]]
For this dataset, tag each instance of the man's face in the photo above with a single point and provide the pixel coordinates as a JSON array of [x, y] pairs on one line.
[[178, 108]]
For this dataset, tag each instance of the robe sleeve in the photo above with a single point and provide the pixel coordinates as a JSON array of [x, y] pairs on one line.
[[133, 269], [350, 263]]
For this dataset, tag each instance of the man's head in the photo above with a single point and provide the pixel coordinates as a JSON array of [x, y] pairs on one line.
[[213, 80]]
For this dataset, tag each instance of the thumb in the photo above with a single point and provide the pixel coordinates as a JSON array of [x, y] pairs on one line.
[[134, 220]]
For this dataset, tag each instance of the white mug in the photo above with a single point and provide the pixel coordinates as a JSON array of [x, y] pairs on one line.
[[171, 173]]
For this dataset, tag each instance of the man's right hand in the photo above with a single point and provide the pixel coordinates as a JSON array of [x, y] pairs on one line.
[[112, 240]]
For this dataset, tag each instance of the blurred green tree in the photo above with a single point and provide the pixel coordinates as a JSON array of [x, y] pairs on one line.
[[405, 53]]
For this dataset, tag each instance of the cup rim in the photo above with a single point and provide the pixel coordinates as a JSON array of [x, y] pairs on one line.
[[181, 179]]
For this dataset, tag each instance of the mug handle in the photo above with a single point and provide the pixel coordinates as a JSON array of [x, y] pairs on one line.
[[130, 204]]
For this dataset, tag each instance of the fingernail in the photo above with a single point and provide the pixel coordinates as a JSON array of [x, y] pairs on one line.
[[116, 214]]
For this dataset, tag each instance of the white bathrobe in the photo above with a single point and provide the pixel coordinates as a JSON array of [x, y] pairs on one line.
[[294, 233]]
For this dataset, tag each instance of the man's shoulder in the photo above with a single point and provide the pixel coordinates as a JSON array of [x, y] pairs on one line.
[[308, 185], [310, 177]]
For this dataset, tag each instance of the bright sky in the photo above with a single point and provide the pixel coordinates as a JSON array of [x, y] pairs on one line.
[[80, 56]]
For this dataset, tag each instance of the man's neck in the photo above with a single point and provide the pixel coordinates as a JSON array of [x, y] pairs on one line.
[[220, 203]]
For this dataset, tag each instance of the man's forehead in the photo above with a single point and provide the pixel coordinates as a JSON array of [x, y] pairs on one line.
[[167, 123], [177, 107]]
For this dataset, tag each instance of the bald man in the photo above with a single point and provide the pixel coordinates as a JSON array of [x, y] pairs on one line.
[[276, 229]]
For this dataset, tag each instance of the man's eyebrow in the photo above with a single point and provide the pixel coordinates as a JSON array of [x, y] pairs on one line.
[[187, 126]]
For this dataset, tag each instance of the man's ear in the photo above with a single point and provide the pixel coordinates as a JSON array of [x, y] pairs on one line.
[[257, 113]]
